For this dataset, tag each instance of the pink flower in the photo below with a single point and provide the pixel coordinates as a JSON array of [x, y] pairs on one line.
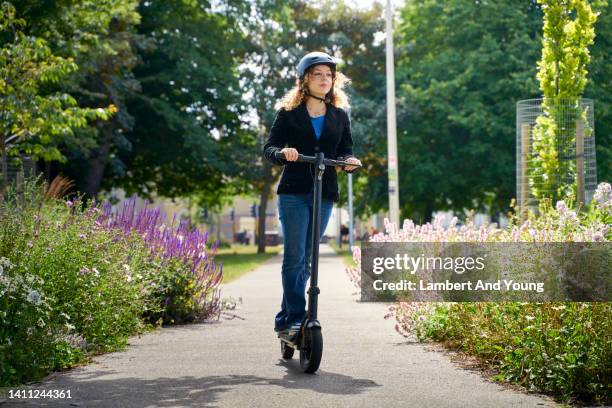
[[357, 254]]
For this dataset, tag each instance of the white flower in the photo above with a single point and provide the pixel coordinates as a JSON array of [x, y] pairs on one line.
[[34, 297], [6, 263], [561, 207], [603, 193], [529, 318]]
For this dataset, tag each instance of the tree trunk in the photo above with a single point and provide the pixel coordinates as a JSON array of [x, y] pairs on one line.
[[97, 163], [263, 206], [3, 168], [428, 212]]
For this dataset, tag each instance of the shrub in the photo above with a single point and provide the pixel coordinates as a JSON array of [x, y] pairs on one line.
[[76, 279], [184, 279], [562, 348]]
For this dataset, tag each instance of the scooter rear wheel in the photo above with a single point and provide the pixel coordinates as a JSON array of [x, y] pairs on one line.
[[286, 351], [311, 350]]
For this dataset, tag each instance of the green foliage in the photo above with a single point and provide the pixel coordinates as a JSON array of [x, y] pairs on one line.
[[568, 32], [65, 293], [562, 72], [32, 121], [461, 66], [190, 91], [599, 88], [173, 294], [334, 27], [71, 287], [563, 348]]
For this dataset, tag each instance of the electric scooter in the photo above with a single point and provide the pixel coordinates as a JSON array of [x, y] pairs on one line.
[[309, 340]]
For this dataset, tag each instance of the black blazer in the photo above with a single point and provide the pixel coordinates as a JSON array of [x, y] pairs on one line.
[[294, 129]]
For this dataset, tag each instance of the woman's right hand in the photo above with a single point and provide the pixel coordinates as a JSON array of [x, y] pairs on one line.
[[290, 154]]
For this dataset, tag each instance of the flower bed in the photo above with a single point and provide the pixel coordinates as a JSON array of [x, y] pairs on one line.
[[561, 348], [77, 280]]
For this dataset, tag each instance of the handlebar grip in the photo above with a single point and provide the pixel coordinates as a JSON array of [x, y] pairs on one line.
[[301, 157]]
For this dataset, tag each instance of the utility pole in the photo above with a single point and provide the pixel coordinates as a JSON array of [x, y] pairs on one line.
[[350, 205], [391, 124]]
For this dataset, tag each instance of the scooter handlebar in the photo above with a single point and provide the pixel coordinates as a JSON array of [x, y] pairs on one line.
[[312, 159]]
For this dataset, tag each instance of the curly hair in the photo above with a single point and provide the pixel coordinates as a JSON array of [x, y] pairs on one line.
[[296, 95]]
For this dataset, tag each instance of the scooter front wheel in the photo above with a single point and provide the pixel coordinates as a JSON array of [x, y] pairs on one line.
[[311, 350]]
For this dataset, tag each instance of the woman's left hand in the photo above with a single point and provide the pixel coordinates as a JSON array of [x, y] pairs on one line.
[[353, 160]]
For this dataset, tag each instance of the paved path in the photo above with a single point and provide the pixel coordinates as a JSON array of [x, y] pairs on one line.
[[236, 363]]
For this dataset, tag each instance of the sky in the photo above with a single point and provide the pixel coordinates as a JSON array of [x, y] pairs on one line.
[[365, 4]]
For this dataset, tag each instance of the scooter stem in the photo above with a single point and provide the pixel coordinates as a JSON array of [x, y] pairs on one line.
[[314, 291]]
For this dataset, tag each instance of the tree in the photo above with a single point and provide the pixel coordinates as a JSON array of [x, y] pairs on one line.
[[99, 37], [281, 33], [562, 72], [188, 108], [33, 121], [600, 88], [271, 50], [351, 35], [461, 67]]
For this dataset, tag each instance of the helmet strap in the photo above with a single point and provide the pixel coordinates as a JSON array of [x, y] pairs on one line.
[[327, 99]]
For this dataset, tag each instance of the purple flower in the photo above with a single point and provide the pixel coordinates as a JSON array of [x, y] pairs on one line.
[[168, 241]]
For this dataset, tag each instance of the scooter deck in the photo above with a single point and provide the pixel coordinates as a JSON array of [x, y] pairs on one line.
[[291, 343]]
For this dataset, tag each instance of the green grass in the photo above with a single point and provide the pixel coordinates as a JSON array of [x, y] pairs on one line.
[[241, 259], [345, 254]]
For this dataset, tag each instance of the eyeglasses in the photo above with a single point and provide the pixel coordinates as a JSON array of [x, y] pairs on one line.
[[320, 75]]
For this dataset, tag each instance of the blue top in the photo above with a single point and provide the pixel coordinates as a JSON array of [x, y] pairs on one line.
[[317, 124]]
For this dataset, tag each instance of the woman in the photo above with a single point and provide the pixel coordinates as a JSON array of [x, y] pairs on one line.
[[311, 118]]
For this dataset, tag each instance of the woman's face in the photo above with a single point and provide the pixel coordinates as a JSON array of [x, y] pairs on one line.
[[320, 80]]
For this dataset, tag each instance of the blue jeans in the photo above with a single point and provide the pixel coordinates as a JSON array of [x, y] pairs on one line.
[[295, 213]]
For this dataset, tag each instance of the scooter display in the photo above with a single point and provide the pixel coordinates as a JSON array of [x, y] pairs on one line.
[[309, 340]]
